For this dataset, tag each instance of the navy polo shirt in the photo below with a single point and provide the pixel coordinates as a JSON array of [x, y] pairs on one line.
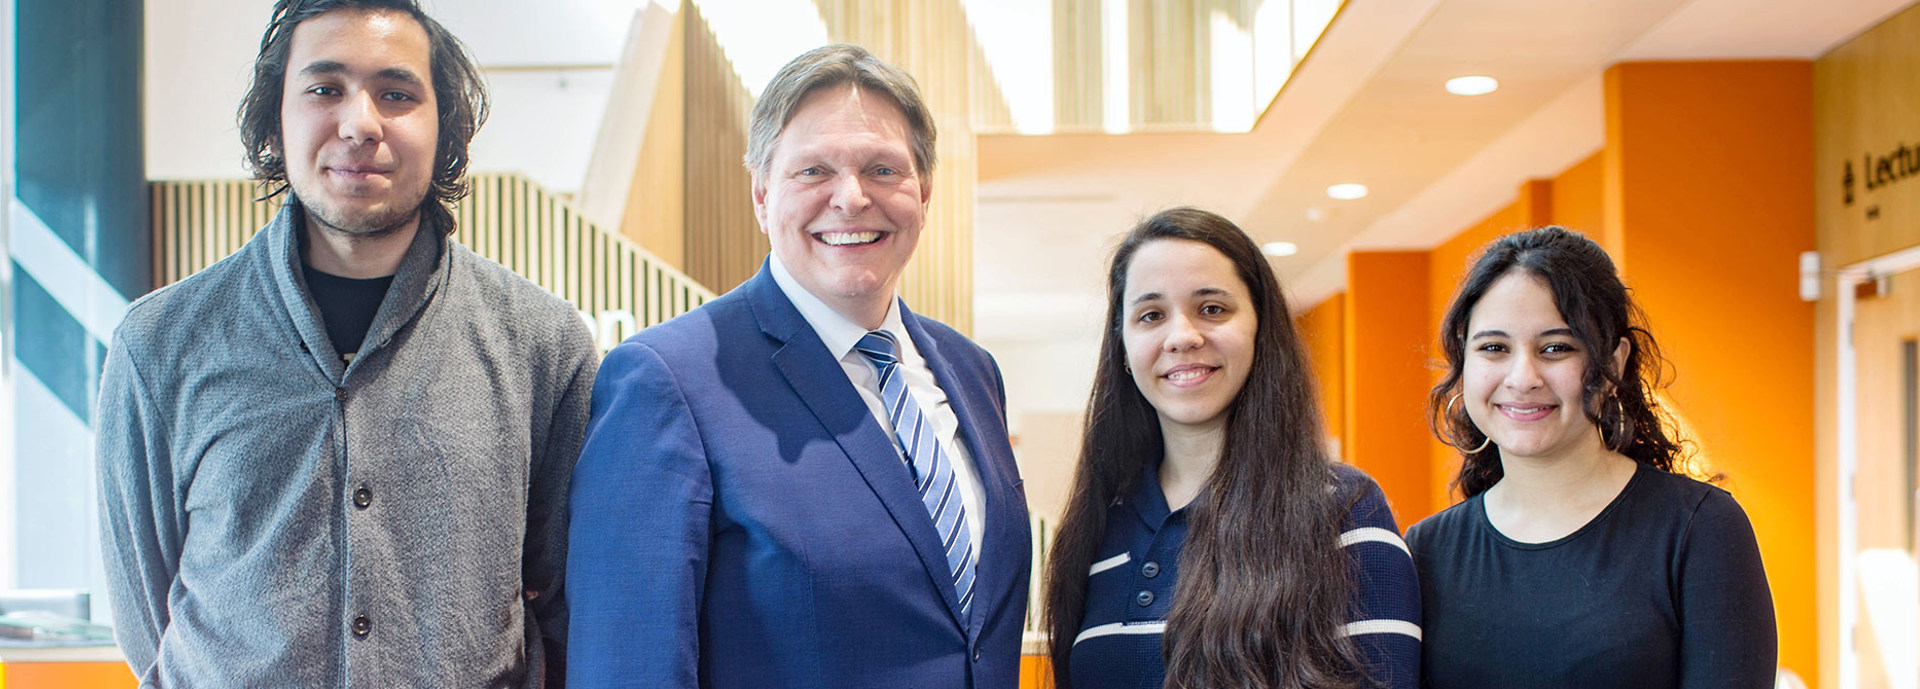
[[1130, 588]]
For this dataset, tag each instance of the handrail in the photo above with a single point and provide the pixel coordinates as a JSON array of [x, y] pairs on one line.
[[618, 286]]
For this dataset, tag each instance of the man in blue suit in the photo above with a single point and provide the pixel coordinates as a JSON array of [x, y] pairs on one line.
[[801, 483]]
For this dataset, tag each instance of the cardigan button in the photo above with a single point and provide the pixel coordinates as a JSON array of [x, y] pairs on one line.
[[339, 394], [1150, 570], [362, 497], [362, 625], [1145, 598]]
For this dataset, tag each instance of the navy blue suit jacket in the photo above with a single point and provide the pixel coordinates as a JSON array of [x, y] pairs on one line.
[[739, 518]]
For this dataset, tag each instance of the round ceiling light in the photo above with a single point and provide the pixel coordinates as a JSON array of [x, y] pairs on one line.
[[1278, 249], [1472, 86], [1347, 192]]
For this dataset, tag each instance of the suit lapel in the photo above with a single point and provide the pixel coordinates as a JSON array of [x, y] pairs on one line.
[[984, 432], [819, 381]]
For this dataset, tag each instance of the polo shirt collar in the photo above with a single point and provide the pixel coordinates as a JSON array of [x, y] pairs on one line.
[[1146, 498]]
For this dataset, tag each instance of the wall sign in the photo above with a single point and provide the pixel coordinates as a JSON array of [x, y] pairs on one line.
[[1877, 171]]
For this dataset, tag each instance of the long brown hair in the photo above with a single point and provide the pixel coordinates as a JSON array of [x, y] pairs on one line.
[[1263, 590], [1599, 309]]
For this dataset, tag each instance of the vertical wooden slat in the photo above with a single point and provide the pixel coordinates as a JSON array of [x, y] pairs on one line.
[[506, 218]]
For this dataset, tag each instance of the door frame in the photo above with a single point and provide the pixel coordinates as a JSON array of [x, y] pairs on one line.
[[1848, 451]]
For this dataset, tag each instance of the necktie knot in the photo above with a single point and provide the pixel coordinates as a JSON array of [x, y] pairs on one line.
[[879, 346]]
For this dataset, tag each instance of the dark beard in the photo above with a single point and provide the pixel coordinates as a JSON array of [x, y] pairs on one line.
[[372, 228]]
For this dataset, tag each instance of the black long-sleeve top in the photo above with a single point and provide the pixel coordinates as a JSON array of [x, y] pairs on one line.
[[1663, 589]]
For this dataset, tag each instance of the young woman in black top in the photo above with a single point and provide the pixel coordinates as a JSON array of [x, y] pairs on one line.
[[1579, 558]]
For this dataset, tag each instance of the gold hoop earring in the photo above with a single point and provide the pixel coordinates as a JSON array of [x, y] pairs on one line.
[[1485, 439]]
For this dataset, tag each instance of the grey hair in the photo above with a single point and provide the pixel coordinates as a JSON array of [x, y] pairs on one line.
[[828, 66]]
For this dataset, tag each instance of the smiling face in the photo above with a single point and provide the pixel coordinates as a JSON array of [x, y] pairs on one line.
[[1523, 382], [359, 124], [1188, 326], [841, 202]]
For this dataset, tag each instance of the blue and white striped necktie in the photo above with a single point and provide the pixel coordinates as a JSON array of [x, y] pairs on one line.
[[932, 470]]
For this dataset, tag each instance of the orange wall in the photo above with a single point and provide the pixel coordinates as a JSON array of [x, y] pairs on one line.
[[1386, 375], [1709, 182], [1578, 197], [66, 676], [1036, 672], [1323, 335]]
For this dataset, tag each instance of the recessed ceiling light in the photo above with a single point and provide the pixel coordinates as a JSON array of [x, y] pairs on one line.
[[1316, 214], [1279, 249], [1347, 192], [1472, 86]]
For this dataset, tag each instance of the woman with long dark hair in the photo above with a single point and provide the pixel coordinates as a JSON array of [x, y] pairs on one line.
[[1209, 541], [1579, 557]]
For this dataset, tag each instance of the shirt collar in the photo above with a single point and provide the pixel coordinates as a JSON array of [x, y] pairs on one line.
[[835, 331], [1146, 499]]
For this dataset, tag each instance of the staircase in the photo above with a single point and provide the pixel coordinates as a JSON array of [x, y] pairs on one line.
[[618, 287]]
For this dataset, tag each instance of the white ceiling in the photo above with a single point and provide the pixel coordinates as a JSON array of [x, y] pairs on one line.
[[1367, 106]]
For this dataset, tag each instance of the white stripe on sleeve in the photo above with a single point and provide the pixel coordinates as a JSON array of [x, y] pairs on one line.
[[1376, 627], [1374, 534], [1109, 563], [1120, 628]]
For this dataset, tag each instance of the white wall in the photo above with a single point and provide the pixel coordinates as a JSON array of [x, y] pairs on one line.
[[198, 53], [543, 124]]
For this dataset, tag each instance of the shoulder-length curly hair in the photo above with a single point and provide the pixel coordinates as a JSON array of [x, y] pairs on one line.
[[1600, 311]]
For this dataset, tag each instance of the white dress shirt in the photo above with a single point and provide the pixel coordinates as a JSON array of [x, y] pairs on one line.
[[840, 335]]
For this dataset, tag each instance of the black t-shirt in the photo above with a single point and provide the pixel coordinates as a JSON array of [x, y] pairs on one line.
[[1664, 588], [347, 307]]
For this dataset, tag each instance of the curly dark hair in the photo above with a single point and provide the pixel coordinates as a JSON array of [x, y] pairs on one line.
[[1599, 309], [458, 90]]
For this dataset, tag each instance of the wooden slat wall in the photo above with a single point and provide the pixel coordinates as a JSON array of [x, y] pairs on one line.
[[1169, 63], [988, 108], [655, 215], [507, 218], [1079, 82], [724, 245], [197, 223], [930, 39]]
